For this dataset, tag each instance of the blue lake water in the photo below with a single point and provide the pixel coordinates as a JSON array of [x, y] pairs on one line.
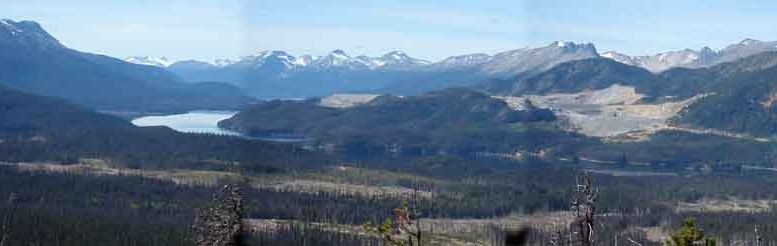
[[205, 122], [192, 122]]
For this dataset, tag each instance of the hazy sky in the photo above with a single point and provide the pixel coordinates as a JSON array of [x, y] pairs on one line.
[[424, 29]]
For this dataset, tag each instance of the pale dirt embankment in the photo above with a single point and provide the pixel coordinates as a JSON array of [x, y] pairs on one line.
[[608, 112], [346, 100], [617, 114]]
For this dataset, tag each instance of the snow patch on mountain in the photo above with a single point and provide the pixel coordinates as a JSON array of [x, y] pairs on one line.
[[222, 62], [150, 61], [27, 33], [461, 62], [619, 58], [8, 24], [305, 60]]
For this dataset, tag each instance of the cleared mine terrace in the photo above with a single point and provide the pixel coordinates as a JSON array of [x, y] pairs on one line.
[[346, 100], [608, 112]]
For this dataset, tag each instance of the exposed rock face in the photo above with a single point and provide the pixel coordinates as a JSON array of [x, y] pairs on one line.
[[525, 62], [221, 225]]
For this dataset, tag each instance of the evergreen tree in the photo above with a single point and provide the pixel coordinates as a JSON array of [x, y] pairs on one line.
[[690, 235]]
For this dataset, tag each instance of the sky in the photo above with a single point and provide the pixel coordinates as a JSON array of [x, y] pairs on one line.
[[433, 30]]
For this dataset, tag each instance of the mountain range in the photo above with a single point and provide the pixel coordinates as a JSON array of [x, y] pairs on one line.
[[688, 58], [278, 74], [34, 61], [273, 74]]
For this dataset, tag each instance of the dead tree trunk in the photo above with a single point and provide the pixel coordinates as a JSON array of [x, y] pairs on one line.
[[584, 208], [408, 219], [408, 223], [5, 231], [222, 224]]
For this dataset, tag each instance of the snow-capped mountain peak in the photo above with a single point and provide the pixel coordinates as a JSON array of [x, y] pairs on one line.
[[28, 33], [222, 62], [399, 58], [370, 62], [338, 59], [157, 61], [396, 55], [745, 48], [275, 53], [567, 44], [340, 54], [618, 57], [305, 60], [268, 57], [610, 54], [749, 41], [10, 25]]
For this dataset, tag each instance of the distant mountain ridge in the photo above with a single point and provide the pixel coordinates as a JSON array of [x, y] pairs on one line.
[[31, 60], [688, 58], [275, 74], [334, 59], [280, 74], [508, 62], [530, 61]]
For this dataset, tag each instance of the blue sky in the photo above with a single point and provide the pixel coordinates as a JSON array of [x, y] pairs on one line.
[[425, 29]]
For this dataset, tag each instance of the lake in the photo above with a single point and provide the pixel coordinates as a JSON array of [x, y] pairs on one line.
[[206, 122], [191, 122]]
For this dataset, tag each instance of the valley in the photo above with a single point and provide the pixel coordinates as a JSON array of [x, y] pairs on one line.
[[348, 148]]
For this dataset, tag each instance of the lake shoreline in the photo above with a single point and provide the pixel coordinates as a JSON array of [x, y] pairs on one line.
[[197, 121], [205, 122]]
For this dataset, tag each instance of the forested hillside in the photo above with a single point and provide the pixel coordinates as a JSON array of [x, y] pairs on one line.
[[453, 120], [576, 76], [744, 94], [26, 114]]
